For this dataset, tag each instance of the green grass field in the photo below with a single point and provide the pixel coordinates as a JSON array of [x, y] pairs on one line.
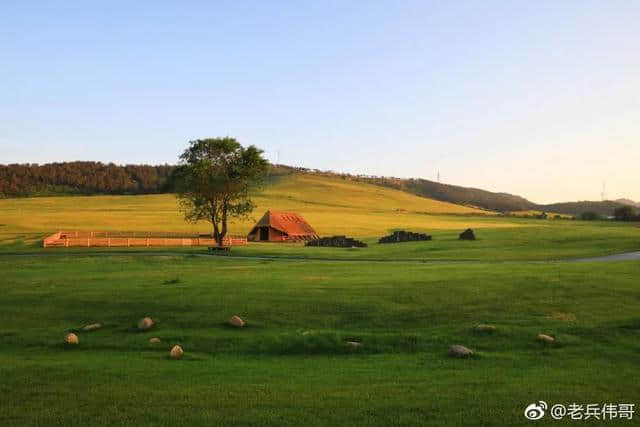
[[290, 365]]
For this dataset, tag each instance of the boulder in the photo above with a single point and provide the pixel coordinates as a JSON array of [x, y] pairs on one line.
[[485, 328], [467, 235], [547, 339], [236, 321], [154, 340], [460, 351], [176, 352], [71, 339], [91, 327], [145, 323]]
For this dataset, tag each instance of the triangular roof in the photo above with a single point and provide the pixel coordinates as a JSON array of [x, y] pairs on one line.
[[291, 223]]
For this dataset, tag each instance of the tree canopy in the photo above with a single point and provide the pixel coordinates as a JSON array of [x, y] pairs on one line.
[[213, 181]]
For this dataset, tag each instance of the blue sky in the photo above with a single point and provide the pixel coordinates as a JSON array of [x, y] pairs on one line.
[[540, 99]]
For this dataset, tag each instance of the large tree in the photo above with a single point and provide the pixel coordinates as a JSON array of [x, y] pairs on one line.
[[213, 181]]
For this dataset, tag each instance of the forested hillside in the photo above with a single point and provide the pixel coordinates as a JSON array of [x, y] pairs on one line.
[[19, 180], [502, 202]]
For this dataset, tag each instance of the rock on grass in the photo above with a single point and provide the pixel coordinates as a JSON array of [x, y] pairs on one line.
[[237, 322], [176, 352], [460, 351], [145, 324], [91, 327], [485, 328], [71, 339], [547, 339], [467, 234], [154, 340]]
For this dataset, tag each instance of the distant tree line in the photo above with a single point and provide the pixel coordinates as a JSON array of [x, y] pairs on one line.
[[621, 213], [626, 213], [21, 180]]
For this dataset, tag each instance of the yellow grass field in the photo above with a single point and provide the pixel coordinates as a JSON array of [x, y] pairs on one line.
[[331, 205]]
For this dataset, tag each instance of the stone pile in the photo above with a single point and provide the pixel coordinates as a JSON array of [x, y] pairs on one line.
[[404, 236], [337, 242]]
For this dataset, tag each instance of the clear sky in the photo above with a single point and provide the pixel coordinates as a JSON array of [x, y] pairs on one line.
[[537, 98]]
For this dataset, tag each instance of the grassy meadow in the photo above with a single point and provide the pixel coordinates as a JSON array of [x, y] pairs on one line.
[[291, 364], [332, 206]]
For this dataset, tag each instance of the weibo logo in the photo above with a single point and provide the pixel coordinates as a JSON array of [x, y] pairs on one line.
[[535, 411]]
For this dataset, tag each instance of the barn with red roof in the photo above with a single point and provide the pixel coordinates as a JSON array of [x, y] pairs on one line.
[[278, 226]]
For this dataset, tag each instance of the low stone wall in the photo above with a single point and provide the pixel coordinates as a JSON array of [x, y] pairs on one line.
[[404, 236], [337, 242]]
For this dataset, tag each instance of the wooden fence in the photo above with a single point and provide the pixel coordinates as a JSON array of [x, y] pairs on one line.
[[112, 239]]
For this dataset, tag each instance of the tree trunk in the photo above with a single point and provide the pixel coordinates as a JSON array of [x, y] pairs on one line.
[[216, 231], [223, 232]]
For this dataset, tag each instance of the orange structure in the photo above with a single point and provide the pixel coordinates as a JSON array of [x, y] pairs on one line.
[[112, 239], [277, 226]]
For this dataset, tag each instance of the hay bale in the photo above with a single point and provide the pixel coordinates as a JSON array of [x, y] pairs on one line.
[[145, 324], [237, 322], [460, 351], [91, 327], [485, 328], [547, 339], [176, 352], [71, 339], [155, 340]]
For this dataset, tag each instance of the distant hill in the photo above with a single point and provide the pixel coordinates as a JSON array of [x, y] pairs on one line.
[[501, 202], [98, 178], [467, 196], [473, 197]]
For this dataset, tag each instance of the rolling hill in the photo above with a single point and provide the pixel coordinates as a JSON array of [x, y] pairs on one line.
[[501, 202], [332, 205], [92, 178]]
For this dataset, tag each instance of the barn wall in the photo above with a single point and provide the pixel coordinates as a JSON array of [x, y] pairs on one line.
[[275, 235]]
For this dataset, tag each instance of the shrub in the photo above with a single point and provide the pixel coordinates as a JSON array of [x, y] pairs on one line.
[[589, 216]]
